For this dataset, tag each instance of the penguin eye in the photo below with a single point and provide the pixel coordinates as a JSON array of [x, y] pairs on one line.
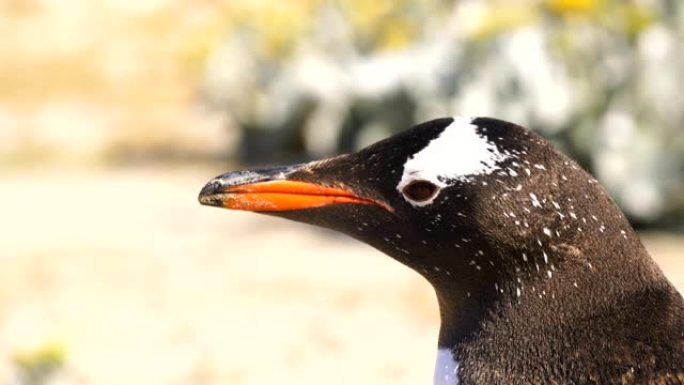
[[420, 190]]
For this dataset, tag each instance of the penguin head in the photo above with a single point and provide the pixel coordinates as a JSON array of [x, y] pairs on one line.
[[491, 214], [445, 197]]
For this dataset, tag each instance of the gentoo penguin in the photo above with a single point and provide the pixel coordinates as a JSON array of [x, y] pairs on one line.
[[539, 277]]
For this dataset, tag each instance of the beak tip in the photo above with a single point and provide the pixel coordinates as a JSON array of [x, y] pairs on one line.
[[208, 194]]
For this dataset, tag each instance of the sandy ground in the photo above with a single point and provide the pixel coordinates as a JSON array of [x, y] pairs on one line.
[[138, 284]]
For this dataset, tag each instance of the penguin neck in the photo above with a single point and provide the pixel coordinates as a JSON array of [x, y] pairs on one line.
[[462, 309], [540, 281]]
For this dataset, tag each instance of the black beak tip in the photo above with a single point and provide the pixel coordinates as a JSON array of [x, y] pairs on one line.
[[212, 193], [209, 194]]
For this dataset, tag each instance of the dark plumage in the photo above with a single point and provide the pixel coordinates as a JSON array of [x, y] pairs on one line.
[[539, 277]]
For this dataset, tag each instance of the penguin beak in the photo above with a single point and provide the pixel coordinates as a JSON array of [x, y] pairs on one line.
[[270, 190]]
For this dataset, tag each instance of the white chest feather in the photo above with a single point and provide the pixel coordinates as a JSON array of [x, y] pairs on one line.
[[446, 368]]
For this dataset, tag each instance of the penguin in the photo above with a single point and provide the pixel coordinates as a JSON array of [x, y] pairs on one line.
[[539, 277]]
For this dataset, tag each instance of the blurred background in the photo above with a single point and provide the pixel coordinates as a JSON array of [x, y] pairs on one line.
[[114, 113]]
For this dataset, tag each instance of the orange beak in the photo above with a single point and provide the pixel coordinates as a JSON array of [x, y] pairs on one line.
[[277, 195]]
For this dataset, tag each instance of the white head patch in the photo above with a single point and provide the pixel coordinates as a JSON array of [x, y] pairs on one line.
[[456, 154]]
